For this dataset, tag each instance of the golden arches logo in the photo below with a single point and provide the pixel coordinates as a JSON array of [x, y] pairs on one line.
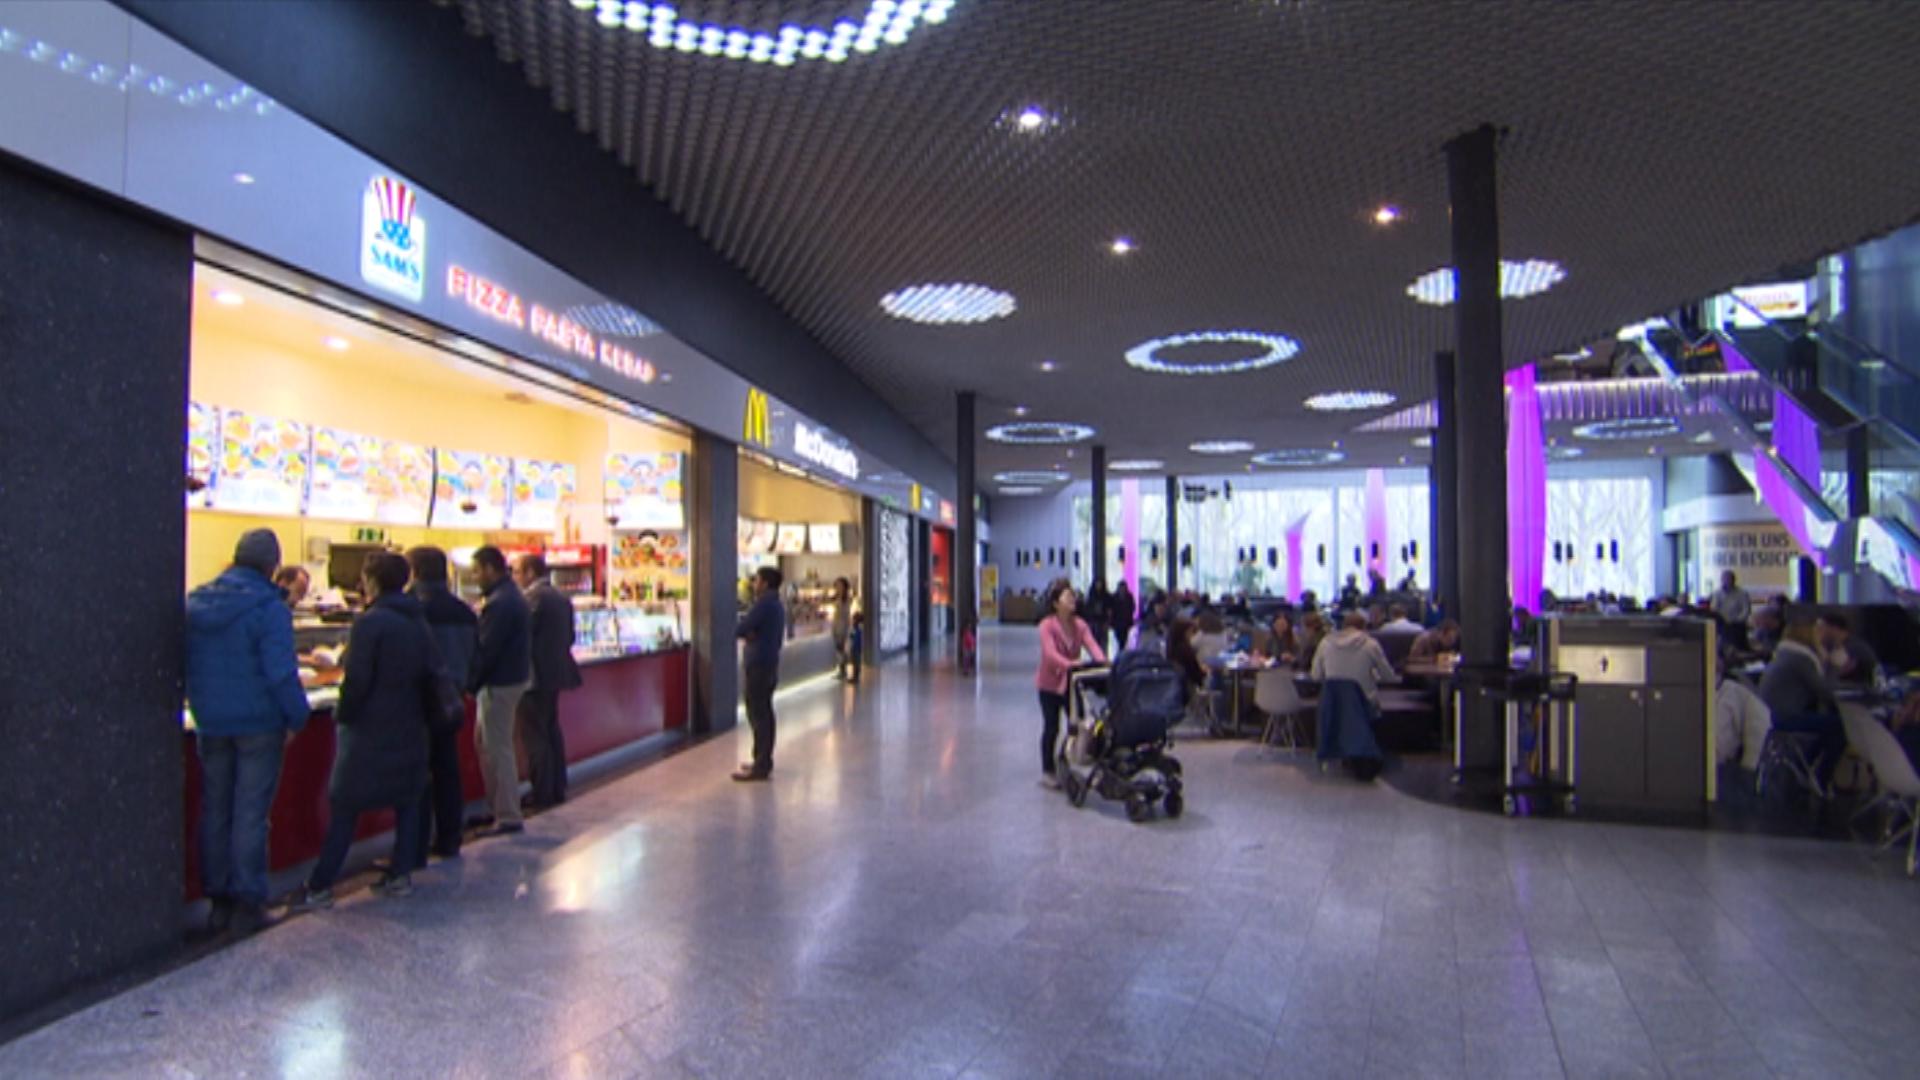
[[758, 425]]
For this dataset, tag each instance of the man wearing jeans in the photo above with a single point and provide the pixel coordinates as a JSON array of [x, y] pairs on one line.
[[764, 630], [243, 685], [502, 668]]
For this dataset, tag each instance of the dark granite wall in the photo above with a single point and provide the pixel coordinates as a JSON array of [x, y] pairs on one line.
[[94, 322], [716, 569]]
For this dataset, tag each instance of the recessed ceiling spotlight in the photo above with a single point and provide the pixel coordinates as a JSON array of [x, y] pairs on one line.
[[1298, 458], [1274, 349], [1040, 432], [1027, 120], [1121, 245], [1018, 489], [1565, 452], [1518, 280], [243, 178], [228, 297], [1048, 366], [1029, 477], [1632, 427], [337, 344], [889, 22], [948, 303], [1221, 446], [1424, 442], [1387, 214], [1349, 400], [1136, 465], [1019, 410]]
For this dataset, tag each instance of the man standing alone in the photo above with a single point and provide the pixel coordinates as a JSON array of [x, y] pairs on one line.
[[502, 668], [764, 630], [1734, 606], [554, 670]]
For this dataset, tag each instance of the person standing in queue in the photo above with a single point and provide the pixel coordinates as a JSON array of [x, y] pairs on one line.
[[502, 669], [453, 625], [554, 671], [764, 630], [381, 762], [1064, 638], [243, 683]]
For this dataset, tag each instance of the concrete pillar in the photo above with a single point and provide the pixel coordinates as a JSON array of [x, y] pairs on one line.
[[716, 569], [1173, 535], [1098, 571], [965, 541]]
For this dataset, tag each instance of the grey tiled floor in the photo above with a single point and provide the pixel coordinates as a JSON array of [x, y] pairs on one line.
[[903, 901]]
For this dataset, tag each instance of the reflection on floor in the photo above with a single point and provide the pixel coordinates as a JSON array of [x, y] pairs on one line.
[[903, 900]]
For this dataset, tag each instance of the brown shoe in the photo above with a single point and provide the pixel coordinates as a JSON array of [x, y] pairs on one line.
[[750, 775]]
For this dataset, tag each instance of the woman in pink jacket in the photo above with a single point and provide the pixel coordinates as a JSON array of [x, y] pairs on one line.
[[1063, 637]]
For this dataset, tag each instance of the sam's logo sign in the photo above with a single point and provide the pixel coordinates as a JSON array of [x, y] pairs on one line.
[[757, 428], [393, 239]]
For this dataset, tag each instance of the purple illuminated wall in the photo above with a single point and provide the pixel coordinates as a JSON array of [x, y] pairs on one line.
[[1296, 533], [1130, 535], [1376, 512], [1526, 490], [1796, 442]]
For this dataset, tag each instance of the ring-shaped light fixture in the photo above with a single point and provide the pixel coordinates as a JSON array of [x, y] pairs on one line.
[[1349, 400], [1518, 280], [1221, 446], [1030, 477], [949, 303], [1039, 433], [1631, 427], [887, 23], [1136, 465], [1298, 458], [1274, 349]]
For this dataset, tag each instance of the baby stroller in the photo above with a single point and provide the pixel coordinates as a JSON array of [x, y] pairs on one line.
[[1117, 744]]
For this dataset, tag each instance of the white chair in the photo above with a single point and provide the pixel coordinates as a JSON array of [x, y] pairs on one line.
[[1893, 774], [1275, 695]]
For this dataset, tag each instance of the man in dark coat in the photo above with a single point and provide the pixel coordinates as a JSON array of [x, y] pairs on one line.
[[455, 628], [502, 669], [381, 759], [554, 670]]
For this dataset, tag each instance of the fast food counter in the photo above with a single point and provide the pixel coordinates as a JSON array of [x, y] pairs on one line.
[[623, 698]]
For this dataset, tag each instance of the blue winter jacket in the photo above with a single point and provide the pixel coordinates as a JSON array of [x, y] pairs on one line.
[[242, 678]]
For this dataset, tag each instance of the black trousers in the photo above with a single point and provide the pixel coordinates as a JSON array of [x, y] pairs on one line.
[[443, 806], [1051, 706], [538, 718], [757, 686]]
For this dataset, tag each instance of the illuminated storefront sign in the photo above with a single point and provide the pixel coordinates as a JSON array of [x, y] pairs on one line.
[[757, 426], [817, 447], [503, 305], [393, 239], [946, 512]]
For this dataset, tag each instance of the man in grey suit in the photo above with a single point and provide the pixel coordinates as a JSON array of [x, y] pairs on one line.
[[554, 670]]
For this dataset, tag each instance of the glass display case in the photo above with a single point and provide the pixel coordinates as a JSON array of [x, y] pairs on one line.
[[614, 630]]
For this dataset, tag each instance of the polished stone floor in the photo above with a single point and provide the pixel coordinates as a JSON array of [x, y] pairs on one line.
[[904, 901]]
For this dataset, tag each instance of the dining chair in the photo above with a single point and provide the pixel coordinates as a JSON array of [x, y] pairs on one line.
[[1275, 695], [1896, 783]]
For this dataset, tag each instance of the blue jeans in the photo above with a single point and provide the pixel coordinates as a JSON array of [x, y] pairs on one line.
[[341, 826], [238, 776]]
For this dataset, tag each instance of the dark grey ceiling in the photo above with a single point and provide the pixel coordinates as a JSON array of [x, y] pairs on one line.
[[1660, 150]]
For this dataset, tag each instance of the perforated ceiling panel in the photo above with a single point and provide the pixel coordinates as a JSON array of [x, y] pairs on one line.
[[1660, 150]]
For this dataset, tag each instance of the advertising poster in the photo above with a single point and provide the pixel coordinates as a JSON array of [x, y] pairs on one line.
[[542, 494], [401, 482], [470, 490], [262, 466], [342, 462], [990, 593], [1762, 557], [643, 491], [790, 540], [203, 440]]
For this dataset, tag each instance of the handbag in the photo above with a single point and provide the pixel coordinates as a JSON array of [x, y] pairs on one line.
[[441, 699]]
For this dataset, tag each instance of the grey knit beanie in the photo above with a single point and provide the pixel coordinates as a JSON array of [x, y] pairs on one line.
[[259, 549]]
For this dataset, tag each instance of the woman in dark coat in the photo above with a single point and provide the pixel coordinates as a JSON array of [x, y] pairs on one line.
[[381, 760]]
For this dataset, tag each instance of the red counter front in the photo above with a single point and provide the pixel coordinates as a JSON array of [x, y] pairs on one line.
[[622, 700]]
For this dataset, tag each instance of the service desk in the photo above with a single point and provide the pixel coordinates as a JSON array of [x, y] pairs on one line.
[[622, 700]]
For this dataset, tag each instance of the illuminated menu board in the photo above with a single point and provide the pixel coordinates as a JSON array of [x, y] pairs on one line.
[[791, 540], [542, 492], [263, 465], [643, 491], [401, 482], [342, 461], [470, 490]]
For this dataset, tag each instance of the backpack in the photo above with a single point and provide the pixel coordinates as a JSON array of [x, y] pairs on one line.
[[1146, 696]]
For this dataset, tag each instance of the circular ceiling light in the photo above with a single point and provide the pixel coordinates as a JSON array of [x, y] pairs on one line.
[[1121, 245], [1564, 452], [1632, 427], [1040, 433], [1274, 349], [955, 302], [1386, 214], [887, 22], [1298, 458], [1135, 465], [1518, 280], [1221, 446], [1020, 490], [1027, 120], [1029, 477], [1349, 400]]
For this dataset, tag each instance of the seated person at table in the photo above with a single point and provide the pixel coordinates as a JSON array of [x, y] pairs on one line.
[[1427, 648], [1764, 632], [1397, 621], [1180, 653], [1282, 645], [1351, 653], [1741, 721], [1796, 692], [1213, 638], [1849, 657], [1313, 631]]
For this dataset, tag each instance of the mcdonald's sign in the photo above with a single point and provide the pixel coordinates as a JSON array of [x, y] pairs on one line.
[[757, 428]]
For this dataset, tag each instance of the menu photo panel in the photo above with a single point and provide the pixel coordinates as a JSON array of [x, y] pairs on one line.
[[470, 490], [645, 491], [263, 465], [543, 494]]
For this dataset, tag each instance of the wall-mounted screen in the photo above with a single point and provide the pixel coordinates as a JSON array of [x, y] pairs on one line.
[[824, 539], [790, 540]]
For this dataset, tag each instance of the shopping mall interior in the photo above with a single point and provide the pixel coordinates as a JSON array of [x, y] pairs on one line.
[[1051, 539]]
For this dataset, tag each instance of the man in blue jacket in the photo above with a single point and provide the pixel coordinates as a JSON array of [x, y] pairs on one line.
[[502, 669], [762, 631], [243, 685]]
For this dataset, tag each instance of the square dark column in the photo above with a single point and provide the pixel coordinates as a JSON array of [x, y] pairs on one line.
[[1098, 571], [965, 604], [716, 569]]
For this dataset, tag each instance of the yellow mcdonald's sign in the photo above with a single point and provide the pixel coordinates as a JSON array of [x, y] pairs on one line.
[[913, 503], [758, 426]]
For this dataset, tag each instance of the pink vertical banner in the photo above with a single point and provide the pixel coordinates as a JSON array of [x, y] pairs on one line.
[[1376, 508], [1526, 490], [1296, 535], [1130, 537], [1796, 443]]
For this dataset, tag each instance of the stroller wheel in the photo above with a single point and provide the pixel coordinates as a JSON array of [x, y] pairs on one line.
[[1174, 804], [1076, 787], [1139, 810]]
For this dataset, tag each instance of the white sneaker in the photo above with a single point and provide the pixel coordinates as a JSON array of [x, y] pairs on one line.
[[1051, 783]]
